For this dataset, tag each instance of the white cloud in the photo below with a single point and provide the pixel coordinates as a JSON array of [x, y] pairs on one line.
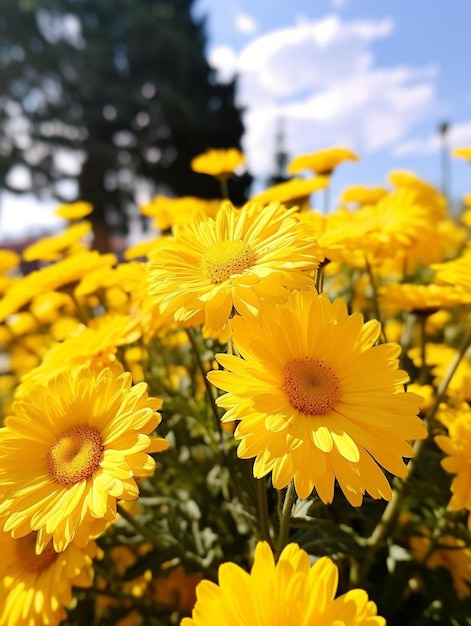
[[224, 60], [458, 135], [245, 23], [322, 79], [338, 4]]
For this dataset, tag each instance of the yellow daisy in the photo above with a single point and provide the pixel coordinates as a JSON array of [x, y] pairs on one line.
[[57, 246], [167, 212], [235, 261], [316, 400], [424, 192], [421, 299], [9, 259], [291, 592], [95, 345], [294, 192], [456, 445], [71, 450], [220, 163], [74, 210], [362, 195], [462, 153], [65, 273], [36, 589], [322, 162], [456, 272]]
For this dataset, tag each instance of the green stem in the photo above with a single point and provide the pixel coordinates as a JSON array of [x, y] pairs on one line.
[[423, 374], [262, 506], [207, 384], [290, 499], [374, 288]]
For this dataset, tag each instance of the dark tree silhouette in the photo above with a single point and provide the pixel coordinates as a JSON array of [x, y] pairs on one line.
[[119, 89]]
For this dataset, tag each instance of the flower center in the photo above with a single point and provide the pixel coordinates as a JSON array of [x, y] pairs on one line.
[[75, 455], [310, 386], [26, 554], [226, 258]]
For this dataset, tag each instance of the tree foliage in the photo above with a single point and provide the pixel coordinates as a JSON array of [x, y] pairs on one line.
[[110, 95]]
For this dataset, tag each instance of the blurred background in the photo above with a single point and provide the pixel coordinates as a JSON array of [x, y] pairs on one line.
[[107, 101]]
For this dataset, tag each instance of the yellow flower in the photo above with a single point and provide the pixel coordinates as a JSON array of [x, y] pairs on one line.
[[397, 225], [238, 260], [291, 592], [64, 273], [462, 153], [424, 192], [94, 345], [322, 162], [9, 259], [456, 445], [421, 299], [294, 192], [57, 246], [74, 210], [167, 212], [439, 356], [36, 589], [456, 272], [316, 400], [71, 450], [220, 163], [362, 195]]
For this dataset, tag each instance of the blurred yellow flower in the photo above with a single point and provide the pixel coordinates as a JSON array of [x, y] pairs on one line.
[[57, 246], [294, 192], [462, 153], [316, 401], [71, 450], [36, 589], [420, 299], [168, 212], [291, 592], [220, 163], [74, 210], [456, 272], [65, 273], [322, 162], [362, 195]]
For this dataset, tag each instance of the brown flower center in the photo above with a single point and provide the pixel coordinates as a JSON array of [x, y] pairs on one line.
[[75, 455], [26, 554], [310, 386], [226, 258]]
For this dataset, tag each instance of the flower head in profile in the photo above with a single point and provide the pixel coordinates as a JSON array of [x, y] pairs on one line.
[[235, 261], [419, 299], [35, 589], [72, 448], [362, 195], [294, 192], [456, 272], [74, 210], [463, 152], [291, 592], [220, 163], [317, 400], [322, 162]]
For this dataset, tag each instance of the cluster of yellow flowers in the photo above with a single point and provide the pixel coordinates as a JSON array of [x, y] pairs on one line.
[[292, 360]]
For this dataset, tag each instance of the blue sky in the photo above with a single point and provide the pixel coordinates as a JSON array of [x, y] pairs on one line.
[[376, 76]]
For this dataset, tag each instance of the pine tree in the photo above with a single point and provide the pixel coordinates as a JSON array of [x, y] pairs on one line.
[[121, 86]]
